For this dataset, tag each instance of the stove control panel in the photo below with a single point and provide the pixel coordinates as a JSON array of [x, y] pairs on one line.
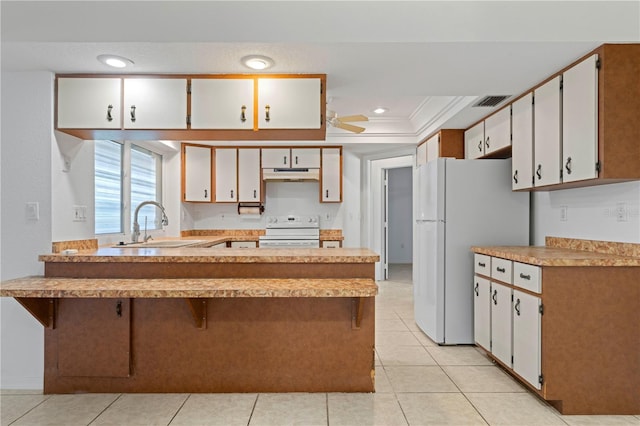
[[293, 221]]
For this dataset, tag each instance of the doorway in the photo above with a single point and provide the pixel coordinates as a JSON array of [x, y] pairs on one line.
[[398, 221]]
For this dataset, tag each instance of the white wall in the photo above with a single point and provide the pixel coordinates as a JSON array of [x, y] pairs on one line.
[[590, 213], [27, 123], [400, 209]]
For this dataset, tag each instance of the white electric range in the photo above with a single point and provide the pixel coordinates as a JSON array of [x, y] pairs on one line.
[[292, 231]]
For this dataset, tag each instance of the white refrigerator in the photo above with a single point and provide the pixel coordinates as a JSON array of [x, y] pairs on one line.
[[460, 203]]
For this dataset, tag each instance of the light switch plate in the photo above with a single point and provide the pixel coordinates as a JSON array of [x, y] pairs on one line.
[[32, 210]]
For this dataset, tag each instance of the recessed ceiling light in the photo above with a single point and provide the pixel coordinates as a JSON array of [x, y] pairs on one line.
[[257, 62], [115, 61], [380, 110]]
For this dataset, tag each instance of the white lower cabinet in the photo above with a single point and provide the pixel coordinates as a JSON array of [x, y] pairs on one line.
[[243, 244], [527, 337], [482, 312], [501, 322]]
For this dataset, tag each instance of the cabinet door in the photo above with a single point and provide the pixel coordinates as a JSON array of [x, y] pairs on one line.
[[155, 103], [222, 103], [197, 173], [501, 322], [89, 103], [482, 312], [421, 154], [580, 121], [497, 130], [305, 158], [546, 131], [249, 182], [331, 183], [276, 158], [289, 103], [474, 141], [522, 144], [527, 337], [433, 147], [226, 175]]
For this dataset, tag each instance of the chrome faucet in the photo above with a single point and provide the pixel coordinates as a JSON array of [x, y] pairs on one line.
[[136, 227]]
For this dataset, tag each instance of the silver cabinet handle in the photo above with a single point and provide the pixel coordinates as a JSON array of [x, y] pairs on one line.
[[243, 113], [133, 113], [109, 109]]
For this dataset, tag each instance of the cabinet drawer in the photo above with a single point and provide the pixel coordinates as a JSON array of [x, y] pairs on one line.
[[243, 244], [527, 277], [331, 244], [501, 270], [482, 264]]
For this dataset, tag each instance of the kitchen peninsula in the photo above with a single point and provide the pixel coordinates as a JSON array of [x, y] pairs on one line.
[[197, 319]]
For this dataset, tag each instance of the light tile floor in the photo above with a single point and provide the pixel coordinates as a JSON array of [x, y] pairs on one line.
[[417, 383]]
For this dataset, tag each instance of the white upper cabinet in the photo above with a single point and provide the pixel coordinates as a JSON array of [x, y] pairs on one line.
[[308, 158], [547, 133], [474, 141], [433, 147], [580, 121], [89, 103], [497, 131], [222, 103], [155, 103], [331, 181], [197, 173], [522, 143], [249, 182], [421, 154], [226, 174], [289, 103], [276, 158]]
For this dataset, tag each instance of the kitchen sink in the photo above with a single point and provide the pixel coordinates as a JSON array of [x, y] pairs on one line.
[[164, 244]]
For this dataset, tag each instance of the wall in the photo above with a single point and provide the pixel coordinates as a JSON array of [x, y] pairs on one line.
[[590, 213], [400, 210], [27, 123]]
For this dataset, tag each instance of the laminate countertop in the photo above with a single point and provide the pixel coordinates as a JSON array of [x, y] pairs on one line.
[[214, 255], [41, 287], [568, 252]]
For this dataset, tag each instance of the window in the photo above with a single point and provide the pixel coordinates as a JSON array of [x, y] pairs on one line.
[[125, 176]]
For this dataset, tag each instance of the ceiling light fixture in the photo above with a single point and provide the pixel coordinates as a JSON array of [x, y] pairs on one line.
[[257, 62], [380, 110], [115, 61]]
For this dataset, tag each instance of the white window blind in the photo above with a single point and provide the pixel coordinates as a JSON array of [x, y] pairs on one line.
[[145, 186], [108, 187]]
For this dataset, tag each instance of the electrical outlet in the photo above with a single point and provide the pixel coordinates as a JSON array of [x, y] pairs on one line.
[[563, 213], [621, 212]]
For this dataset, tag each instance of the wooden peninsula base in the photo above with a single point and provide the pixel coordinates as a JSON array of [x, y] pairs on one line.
[[218, 334]]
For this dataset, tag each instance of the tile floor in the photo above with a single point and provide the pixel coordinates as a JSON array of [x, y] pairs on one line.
[[417, 383]]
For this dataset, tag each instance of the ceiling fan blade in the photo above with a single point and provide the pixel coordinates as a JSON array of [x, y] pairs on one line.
[[359, 117], [350, 127]]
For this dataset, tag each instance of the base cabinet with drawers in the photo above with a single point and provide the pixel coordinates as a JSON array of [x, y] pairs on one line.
[[571, 333]]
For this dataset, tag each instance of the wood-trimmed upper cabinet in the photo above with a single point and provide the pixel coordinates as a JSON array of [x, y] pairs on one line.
[[547, 130], [155, 103], [331, 177], [249, 176], [289, 103], [446, 143], [522, 143], [222, 103], [196, 173], [89, 103], [497, 131], [474, 141], [226, 173]]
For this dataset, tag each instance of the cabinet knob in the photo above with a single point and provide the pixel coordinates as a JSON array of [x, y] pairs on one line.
[[515, 177], [267, 113], [539, 171], [133, 113], [567, 165], [243, 113], [109, 109]]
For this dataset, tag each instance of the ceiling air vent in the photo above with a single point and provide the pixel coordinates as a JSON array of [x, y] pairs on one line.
[[490, 101]]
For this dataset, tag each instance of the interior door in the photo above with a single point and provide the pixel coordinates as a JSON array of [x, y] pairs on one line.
[[385, 225]]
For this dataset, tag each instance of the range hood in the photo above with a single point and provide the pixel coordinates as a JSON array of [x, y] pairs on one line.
[[290, 175]]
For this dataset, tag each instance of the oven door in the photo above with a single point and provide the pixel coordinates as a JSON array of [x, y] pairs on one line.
[[276, 243]]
